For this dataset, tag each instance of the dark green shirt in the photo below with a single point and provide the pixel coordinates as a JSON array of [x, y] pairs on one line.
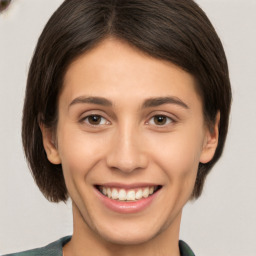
[[55, 249]]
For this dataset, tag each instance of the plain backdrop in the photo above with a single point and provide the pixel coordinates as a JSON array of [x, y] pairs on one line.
[[222, 222]]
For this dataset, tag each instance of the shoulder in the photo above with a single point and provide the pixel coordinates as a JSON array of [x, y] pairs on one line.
[[52, 249], [185, 249]]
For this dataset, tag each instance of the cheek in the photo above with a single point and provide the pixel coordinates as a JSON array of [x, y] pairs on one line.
[[78, 152], [178, 154], [79, 155]]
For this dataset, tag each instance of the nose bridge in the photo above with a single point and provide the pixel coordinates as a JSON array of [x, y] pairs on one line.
[[127, 153]]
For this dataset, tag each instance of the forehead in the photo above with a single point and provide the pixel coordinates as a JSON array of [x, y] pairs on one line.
[[114, 68]]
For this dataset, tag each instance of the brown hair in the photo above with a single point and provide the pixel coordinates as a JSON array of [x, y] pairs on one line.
[[173, 30]]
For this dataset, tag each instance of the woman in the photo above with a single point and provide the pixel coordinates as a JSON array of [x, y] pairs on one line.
[[126, 112]]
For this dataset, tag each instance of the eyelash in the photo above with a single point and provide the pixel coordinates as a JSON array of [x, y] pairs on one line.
[[168, 120]]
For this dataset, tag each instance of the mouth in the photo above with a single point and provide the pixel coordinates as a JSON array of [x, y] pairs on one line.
[[123, 194]]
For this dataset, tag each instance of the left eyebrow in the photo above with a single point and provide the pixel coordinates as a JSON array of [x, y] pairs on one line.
[[154, 102]]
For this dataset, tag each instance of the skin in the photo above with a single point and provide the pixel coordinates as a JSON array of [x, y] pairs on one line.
[[128, 145]]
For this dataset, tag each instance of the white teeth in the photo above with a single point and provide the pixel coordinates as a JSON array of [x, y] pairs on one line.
[[104, 191], [115, 194], [109, 192], [145, 192], [122, 195], [129, 195], [138, 194]]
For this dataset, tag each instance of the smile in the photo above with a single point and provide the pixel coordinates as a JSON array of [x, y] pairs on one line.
[[129, 195], [127, 199]]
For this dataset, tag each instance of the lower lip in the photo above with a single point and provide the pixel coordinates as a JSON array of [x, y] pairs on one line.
[[125, 207]]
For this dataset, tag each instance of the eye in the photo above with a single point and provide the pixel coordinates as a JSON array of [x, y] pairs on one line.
[[160, 120], [95, 120]]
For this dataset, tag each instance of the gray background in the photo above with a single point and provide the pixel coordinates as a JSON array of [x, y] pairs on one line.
[[222, 222]]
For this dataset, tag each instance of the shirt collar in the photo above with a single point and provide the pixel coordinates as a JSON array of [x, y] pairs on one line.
[[185, 249]]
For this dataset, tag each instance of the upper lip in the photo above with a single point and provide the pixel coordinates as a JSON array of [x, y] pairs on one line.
[[127, 186]]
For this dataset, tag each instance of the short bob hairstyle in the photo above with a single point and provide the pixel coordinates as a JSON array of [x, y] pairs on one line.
[[174, 30]]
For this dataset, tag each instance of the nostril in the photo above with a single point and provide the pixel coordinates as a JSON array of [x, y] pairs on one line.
[[4, 4]]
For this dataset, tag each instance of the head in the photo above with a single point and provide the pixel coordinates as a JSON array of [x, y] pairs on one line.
[[172, 33]]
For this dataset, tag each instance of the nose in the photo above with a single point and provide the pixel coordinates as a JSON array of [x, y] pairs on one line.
[[127, 152]]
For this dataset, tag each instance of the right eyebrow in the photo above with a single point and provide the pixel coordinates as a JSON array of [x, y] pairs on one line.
[[91, 100]]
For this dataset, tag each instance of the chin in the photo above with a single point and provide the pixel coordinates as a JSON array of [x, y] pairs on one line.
[[129, 238], [129, 232]]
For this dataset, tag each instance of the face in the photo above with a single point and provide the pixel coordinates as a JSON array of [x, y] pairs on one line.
[[130, 136]]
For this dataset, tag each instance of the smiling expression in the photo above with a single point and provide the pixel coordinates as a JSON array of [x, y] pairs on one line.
[[130, 136]]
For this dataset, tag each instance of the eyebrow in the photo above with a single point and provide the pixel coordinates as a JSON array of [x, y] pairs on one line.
[[91, 100], [154, 102], [151, 102]]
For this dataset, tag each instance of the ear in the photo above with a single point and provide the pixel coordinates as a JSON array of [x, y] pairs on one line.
[[50, 146], [210, 141]]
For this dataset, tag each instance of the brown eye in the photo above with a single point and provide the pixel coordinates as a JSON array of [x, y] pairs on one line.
[[160, 120], [95, 120], [4, 4]]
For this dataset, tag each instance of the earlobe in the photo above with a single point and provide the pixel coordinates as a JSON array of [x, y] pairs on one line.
[[50, 146], [210, 142]]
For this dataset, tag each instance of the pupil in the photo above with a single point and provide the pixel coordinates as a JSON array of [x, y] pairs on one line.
[[4, 4], [94, 119], [160, 120]]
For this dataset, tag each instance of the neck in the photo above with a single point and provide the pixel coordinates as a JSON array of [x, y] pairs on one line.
[[86, 242]]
